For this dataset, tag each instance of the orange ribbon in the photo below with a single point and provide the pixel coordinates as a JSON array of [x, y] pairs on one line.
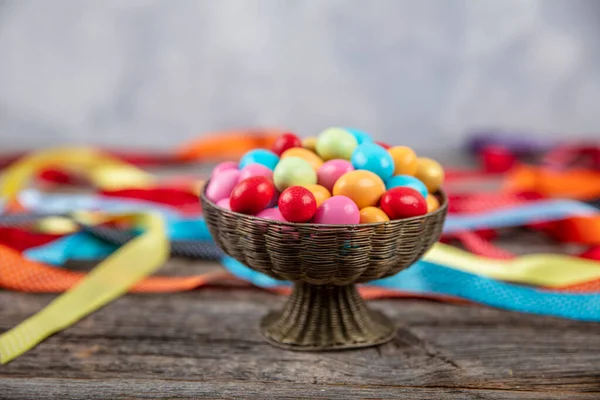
[[580, 184]]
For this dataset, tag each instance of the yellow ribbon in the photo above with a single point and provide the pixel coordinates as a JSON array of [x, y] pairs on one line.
[[112, 277], [103, 170], [548, 270]]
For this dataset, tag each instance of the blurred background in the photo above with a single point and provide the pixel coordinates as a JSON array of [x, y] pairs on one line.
[[155, 73]]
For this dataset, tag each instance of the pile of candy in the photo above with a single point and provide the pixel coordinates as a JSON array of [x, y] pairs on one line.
[[340, 177]]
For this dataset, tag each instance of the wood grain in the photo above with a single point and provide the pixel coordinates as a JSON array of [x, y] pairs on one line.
[[205, 344]]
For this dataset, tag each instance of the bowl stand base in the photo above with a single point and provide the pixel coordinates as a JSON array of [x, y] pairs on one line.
[[320, 318]]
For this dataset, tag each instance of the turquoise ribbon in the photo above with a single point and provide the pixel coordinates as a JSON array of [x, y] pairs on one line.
[[421, 278]]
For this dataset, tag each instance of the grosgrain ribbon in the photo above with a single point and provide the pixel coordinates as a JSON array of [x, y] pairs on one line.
[[424, 279], [105, 171], [109, 280], [112, 277]]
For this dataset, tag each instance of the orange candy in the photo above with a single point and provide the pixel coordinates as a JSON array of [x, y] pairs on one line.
[[430, 172], [364, 188], [370, 215], [405, 160], [320, 192], [314, 160], [432, 203]]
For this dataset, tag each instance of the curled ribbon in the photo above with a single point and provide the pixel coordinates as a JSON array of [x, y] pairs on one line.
[[112, 277]]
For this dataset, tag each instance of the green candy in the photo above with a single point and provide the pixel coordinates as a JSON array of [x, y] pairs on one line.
[[293, 171], [336, 143]]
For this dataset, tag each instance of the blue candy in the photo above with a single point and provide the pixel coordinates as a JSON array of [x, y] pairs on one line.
[[259, 156], [361, 137], [407, 180], [372, 157]]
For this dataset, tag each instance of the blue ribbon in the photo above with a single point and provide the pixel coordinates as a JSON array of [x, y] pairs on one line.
[[421, 278], [184, 228]]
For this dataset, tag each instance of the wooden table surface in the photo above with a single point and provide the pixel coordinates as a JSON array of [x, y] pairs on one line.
[[205, 344]]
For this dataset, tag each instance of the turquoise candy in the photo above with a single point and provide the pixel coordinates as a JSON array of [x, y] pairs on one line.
[[372, 157], [409, 181], [361, 136], [259, 156]]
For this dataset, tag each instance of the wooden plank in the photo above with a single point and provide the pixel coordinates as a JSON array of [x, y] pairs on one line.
[[72, 389], [210, 336]]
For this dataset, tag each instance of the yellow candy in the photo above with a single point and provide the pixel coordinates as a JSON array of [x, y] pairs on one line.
[[430, 172], [405, 160], [369, 215], [432, 203], [363, 187], [310, 143], [314, 160], [320, 192]]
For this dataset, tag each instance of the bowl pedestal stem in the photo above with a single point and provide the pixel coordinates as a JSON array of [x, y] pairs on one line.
[[317, 318]]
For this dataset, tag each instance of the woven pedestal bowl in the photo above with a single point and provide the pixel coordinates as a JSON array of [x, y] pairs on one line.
[[324, 262]]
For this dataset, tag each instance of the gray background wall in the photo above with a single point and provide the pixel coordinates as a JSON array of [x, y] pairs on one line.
[[154, 73]]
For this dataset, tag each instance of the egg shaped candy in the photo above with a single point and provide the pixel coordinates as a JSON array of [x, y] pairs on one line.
[[432, 203], [321, 193], [430, 172], [293, 171], [255, 170], [408, 181], [259, 156], [297, 204], [251, 195], [331, 171], [405, 160], [272, 214], [403, 202], [370, 215], [336, 143], [384, 145], [222, 184], [361, 137], [284, 142], [363, 187], [222, 167], [372, 157], [224, 203], [339, 210], [310, 143], [314, 160]]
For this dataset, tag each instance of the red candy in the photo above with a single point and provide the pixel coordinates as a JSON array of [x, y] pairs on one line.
[[297, 204], [284, 142], [384, 145], [251, 195], [403, 202]]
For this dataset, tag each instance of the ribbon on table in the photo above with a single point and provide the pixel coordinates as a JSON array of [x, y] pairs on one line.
[[111, 278], [581, 184], [426, 279], [102, 169], [523, 214]]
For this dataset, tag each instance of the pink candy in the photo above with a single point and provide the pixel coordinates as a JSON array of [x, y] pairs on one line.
[[221, 185], [271, 213], [223, 167], [255, 170], [224, 203], [339, 210], [330, 172]]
